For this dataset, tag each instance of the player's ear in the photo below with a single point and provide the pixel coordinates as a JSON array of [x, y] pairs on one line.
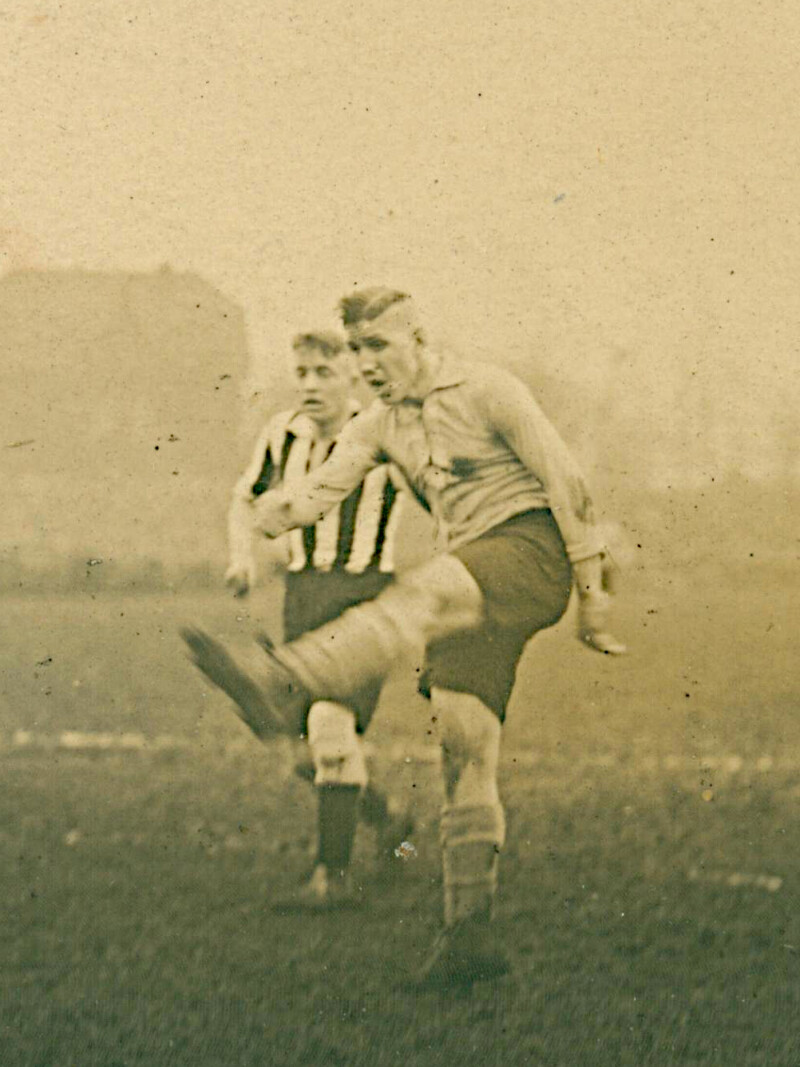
[[419, 336]]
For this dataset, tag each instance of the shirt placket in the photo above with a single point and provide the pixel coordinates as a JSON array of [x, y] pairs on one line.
[[436, 459]]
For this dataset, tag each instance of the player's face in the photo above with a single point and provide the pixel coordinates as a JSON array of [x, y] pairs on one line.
[[325, 385], [388, 355]]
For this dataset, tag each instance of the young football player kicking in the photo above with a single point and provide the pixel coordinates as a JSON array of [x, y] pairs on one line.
[[334, 563], [520, 534]]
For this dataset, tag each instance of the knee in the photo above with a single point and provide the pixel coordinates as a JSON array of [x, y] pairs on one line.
[[335, 748], [446, 587], [473, 813]]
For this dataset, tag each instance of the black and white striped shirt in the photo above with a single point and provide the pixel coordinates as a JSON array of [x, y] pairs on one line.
[[358, 534]]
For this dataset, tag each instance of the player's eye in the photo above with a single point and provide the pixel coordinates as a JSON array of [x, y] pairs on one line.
[[354, 346], [300, 372], [323, 372], [377, 344]]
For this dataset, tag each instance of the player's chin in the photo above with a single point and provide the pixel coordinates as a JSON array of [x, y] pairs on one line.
[[313, 407]]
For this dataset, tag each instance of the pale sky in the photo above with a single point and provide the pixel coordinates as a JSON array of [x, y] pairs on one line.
[[605, 186]]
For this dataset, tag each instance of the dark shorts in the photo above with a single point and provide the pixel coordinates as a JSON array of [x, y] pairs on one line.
[[522, 569], [316, 597]]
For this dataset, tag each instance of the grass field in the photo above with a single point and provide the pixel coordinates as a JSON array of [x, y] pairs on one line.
[[649, 892]]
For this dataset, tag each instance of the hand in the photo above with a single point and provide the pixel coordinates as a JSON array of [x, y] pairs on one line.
[[594, 610], [271, 514], [240, 576]]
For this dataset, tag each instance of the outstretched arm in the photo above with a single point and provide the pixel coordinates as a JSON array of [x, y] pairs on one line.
[[307, 500]]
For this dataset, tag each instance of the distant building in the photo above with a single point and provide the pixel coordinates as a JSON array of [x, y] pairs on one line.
[[121, 422]]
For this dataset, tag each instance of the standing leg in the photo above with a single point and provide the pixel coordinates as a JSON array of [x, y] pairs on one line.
[[340, 774], [473, 822], [472, 834], [391, 821]]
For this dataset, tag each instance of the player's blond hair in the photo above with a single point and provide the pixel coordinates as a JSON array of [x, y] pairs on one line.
[[324, 341]]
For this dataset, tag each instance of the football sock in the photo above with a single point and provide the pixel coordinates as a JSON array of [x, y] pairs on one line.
[[471, 840], [337, 816], [362, 644]]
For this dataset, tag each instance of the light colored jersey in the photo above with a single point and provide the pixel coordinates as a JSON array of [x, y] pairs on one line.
[[477, 449], [357, 533]]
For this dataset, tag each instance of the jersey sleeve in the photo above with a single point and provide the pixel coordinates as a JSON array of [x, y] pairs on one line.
[[305, 502], [515, 415], [258, 474], [256, 478]]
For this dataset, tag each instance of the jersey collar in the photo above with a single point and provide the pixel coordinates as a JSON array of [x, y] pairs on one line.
[[448, 374]]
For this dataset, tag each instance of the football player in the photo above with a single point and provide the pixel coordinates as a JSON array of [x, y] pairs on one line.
[[346, 557], [520, 534]]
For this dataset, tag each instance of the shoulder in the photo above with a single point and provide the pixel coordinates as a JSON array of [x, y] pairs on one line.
[[282, 418], [487, 375], [488, 385], [276, 424], [367, 425], [273, 434], [284, 422]]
